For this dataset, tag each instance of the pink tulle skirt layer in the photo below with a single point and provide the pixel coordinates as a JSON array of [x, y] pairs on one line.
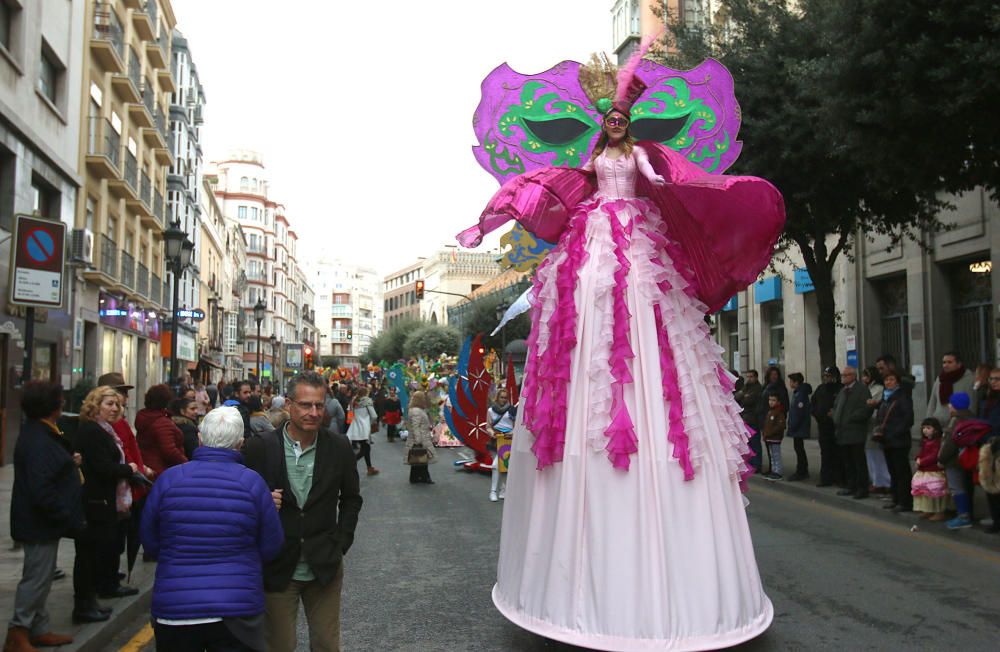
[[632, 535], [931, 484]]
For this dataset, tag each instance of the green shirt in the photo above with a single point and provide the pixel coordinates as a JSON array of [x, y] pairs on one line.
[[299, 466]]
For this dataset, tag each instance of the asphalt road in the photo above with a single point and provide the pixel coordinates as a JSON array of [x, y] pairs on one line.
[[419, 575]]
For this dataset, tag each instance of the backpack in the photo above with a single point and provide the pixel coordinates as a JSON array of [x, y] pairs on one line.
[[969, 433]]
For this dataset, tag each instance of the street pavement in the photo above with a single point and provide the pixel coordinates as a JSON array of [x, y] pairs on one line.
[[842, 574]]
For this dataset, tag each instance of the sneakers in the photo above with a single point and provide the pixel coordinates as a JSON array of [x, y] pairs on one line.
[[493, 497], [960, 522], [773, 476], [502, 493]]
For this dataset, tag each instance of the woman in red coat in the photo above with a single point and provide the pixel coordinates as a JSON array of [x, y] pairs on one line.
[[160, 440]]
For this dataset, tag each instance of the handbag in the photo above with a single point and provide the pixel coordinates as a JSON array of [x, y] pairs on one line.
[[418, 455], [878, 434]]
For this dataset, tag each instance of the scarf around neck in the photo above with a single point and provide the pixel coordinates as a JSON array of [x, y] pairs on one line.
[[946, 383]]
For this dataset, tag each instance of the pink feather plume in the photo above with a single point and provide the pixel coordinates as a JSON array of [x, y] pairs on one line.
[[627, 72]]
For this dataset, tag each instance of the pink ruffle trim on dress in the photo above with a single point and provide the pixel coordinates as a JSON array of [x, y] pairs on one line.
[[545, 413], [672, 394], [622, 441]]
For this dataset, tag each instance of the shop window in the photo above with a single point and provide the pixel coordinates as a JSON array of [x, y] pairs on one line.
[[51, 76], [9, 14], [895, 319], [8, 165], [774, 319], [45, 198], [973, 332]]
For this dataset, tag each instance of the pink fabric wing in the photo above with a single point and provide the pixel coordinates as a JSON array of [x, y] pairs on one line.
[[541, 200], [726, 225]]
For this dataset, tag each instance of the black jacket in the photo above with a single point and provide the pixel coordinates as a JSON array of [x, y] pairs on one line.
[[102, 469], [190, 432], [798, 412], [750, 397], [822, 404], [322, 530], [46, 502], [896, 413]]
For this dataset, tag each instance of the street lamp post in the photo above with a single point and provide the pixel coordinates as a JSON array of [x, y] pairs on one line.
[[274, 358], [501, 311], [178, 254], [258, 314]]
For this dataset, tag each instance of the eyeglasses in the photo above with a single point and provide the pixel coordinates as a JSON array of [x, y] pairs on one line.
[[994, 378], [306, 406], [616, 122]]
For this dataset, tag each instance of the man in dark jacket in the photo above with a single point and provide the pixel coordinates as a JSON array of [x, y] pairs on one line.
[[46, 505], [798, 423], [312, 475], [751, 398], [831, 469], [851, 415]]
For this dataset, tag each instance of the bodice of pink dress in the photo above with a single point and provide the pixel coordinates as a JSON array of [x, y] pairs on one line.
[[616, 177]]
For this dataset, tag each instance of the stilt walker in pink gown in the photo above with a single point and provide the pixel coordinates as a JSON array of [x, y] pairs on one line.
[[624, 525]]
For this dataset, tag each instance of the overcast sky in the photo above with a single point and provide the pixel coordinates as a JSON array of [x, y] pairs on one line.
[[364, 114]]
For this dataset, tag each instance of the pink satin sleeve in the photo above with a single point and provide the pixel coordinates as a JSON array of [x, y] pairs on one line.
[[642, 162], [726, 225], [541, 200]]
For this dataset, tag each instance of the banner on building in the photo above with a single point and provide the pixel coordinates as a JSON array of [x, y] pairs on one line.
[[293, 356]]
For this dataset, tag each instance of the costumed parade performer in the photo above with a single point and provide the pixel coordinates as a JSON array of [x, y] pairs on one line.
[[624, 526], [501, 415]]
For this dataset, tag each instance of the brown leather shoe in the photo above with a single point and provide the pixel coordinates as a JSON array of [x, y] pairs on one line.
[[17, 641], [51, 640], [938, 516], [372, 470]]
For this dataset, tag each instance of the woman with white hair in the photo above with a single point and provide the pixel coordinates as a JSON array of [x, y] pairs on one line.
[[212, 524]]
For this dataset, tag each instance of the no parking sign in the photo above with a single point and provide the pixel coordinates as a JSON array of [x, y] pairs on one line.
[[38, 262]]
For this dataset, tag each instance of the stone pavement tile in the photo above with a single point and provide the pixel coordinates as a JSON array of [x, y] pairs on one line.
[[90, 637]]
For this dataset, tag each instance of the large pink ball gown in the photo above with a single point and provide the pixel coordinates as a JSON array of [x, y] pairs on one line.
[[624, 525]]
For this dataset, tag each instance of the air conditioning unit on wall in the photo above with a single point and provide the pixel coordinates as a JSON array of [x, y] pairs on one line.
[[82, 246]]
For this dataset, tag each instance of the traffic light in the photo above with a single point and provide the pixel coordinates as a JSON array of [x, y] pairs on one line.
[[420, 289], [309, 357], [350, 334]]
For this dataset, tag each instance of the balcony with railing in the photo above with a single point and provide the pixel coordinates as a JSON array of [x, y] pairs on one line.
[[156, 49], [103, 148], [128, 270], [144, 20], [141, 111], [157, 137], [158, 207], [142, 280], [167, 77], [109, 257], [155, 289], [107, 41], [127, 186]]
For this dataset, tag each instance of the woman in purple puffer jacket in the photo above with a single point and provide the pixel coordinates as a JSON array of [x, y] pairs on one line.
[[211, 524]]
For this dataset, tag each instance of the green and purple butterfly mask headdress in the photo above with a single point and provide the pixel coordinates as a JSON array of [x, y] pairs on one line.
[[525, 122]]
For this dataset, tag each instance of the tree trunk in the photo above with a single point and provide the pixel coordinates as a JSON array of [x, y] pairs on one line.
[[820, 267]]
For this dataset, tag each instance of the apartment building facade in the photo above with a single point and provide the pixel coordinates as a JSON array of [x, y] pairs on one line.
[[121, 213], [399, 300], [242, 188], [348, 307], [41, 70]]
